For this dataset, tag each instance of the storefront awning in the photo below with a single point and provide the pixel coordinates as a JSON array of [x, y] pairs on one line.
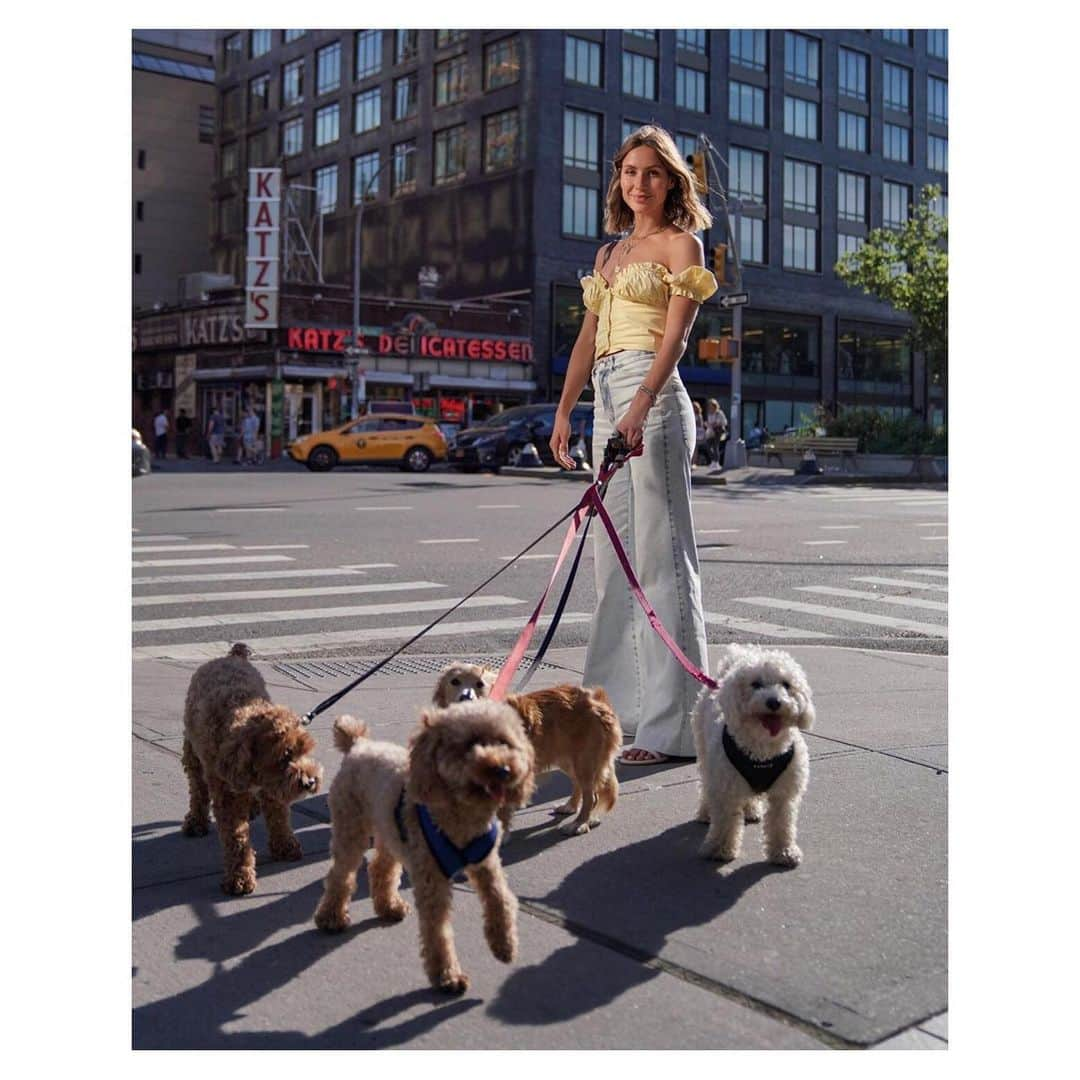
[[461, 382], [252, 371]]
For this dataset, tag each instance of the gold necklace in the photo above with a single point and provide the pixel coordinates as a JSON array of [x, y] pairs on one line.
[[632, 242]]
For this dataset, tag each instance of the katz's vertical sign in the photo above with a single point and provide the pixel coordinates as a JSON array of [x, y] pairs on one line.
[[263, 248]]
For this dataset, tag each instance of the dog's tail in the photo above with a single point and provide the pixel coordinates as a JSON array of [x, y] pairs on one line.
[[608, 786], [348, 731], [241, 650]]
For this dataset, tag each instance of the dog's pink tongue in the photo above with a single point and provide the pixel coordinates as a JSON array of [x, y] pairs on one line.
[[773, 724]]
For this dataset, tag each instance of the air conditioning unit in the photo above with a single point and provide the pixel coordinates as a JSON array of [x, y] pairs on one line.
[[192, 286]]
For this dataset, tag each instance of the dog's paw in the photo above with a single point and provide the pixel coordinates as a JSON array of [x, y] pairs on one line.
[[786, 856], [718, 852], [574, 828], [239, 882], [452, 982], [288, 850], [568, 807], [393, 910], [194, 826], [703, 816], [504, 949], [751, 813], [331, 920]]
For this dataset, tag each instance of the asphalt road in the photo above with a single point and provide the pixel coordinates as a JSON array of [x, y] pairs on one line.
[[353, 562]]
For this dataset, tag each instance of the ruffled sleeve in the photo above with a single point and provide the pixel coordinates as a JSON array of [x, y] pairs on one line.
[[695, 283], [590, 290]]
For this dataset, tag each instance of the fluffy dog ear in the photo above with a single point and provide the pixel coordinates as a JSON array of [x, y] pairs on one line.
[[489, 677], [424, 779], [237, 760], [808, 715]]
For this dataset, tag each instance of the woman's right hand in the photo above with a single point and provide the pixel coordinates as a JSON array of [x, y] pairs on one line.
[[559, 442]]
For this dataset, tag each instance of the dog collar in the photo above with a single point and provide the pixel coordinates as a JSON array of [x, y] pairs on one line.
[[447, 854], [760, 775]]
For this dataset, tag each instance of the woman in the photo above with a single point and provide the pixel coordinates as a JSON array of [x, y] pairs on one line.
[[641, 301], [701, 449]]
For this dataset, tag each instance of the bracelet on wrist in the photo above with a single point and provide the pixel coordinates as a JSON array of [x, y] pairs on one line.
[[650, 393]]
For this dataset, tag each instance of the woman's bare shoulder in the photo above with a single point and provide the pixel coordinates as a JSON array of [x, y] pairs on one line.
[[684, 248]]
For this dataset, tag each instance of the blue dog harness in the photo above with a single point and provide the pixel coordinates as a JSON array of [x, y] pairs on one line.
[[447, 854], [760, 775]]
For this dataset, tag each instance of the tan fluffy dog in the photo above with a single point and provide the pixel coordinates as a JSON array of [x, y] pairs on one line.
[[463, 764], [239, 748], [571, 729]]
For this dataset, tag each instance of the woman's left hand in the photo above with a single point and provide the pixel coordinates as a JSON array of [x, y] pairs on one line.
[[632, 425]]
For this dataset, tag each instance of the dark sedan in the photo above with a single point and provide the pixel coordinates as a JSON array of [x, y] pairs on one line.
[[499, 439]]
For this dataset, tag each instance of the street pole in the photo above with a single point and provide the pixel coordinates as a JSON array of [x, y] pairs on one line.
[[735, 449]]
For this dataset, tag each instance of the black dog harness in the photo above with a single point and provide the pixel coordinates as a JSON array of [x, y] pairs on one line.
[[447, 854], [760, 775]]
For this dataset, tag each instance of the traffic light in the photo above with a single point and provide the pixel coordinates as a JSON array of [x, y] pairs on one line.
[[719, 262], [700, 170], [725, 350]]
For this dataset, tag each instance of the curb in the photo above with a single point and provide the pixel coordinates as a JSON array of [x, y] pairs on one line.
[[549, 472]]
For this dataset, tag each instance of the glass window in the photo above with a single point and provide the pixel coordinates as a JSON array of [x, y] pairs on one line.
[[846, 243], [327, 124], [692, 41], [406, 93], [293, 35], [581, 139], [873, 360], [851, 132], [449, 37], [580, 206], [292, 83], [752, 240], [802, 58], [365, 172], [937, 153], [781, 352], [292, 136], [687, 144], [368, 53], [897, 143], [648, 35], [800, 248], [746, 104], [801, 186], [451, 77], [404, 166], [940, 205], [234, 52], [747, 48], [582, 61], [690, 89], [852, 74], [937, 99], [326, 188], [800, 117], [937, 44], [896, 202], [260, 43], [501, 140], [639, 75], [629, 127], [502, 62], [450, 154], [230, 108], [328, 68], [897, 37], [367, 110], [746, 178], [206, 124], [259, 151], [897, 87], [258, 96], [230, 160], [406, 45], [851, 197]]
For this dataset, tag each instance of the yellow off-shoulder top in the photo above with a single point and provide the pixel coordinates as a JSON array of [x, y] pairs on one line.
[[632, 310]]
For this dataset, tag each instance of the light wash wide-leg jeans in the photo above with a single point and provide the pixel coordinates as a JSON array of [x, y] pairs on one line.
[[649, 503]]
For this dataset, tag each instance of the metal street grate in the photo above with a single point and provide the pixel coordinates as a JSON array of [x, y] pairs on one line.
[[306, 670]]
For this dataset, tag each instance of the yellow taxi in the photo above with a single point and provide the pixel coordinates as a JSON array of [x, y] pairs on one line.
[[412, 442]]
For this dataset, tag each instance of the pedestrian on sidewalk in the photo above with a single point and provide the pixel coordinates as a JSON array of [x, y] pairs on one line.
[[716, 428], [641, 300], [215, 434], [249, 434], [161, 433], [701, 449], [183, 427]]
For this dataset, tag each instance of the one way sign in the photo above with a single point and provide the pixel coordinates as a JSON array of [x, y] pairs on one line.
[[734, 299]]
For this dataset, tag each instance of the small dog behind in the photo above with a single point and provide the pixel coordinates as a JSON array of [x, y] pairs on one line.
[[432, 810], [571, 728], [239, 748], [751, 753]]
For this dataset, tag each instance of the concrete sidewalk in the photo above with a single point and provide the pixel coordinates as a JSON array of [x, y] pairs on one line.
[[628, 939]]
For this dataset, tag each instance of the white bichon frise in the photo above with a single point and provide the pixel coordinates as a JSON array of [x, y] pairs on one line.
[[750, 751]]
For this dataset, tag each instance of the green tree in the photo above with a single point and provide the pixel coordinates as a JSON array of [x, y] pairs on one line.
[[909, 269]]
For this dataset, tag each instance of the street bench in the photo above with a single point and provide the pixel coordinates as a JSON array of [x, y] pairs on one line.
[[819, 445]]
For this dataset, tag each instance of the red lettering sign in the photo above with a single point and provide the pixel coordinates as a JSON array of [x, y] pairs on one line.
[[294, 339], [385, 344], [259, 300], [311, 339], [264, 217], [262, 186]]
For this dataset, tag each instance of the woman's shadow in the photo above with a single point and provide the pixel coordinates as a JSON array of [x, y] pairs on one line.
[[628, 901]]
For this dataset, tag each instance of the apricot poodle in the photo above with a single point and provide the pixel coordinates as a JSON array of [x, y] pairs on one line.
[[571, 728], [432, 810], [243, 754]]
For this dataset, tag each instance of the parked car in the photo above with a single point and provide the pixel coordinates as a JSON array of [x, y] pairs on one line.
[[497, 441], [412, 442], [398, 408], [140, 455]]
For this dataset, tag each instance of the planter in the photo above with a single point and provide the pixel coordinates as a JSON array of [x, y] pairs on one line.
[[891, 465]]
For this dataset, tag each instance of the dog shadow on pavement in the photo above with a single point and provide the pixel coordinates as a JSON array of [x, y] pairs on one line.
[[624, 905]]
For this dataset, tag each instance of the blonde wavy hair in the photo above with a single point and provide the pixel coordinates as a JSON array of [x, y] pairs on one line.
[[682, 207]]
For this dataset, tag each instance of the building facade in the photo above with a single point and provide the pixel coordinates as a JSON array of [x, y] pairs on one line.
[[486, 154]]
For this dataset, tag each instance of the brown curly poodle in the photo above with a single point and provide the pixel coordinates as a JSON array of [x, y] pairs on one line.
[[572, 728], [244, 754], [463, 763]]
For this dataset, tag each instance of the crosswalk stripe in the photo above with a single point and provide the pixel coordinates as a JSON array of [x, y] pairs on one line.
[[509, 558], [206, 650], [453, 540], [185, 547], [215, 560], [934, 538], [247, 575], [932, 573], [845, 615], [273, 547], [359, 611], [380, 509], [819, 543], [498, 506], [750, 626], [369, 566], [902, 582], [159, 539], [703, 531], [280, 594], [839, 526], [877, 598]]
